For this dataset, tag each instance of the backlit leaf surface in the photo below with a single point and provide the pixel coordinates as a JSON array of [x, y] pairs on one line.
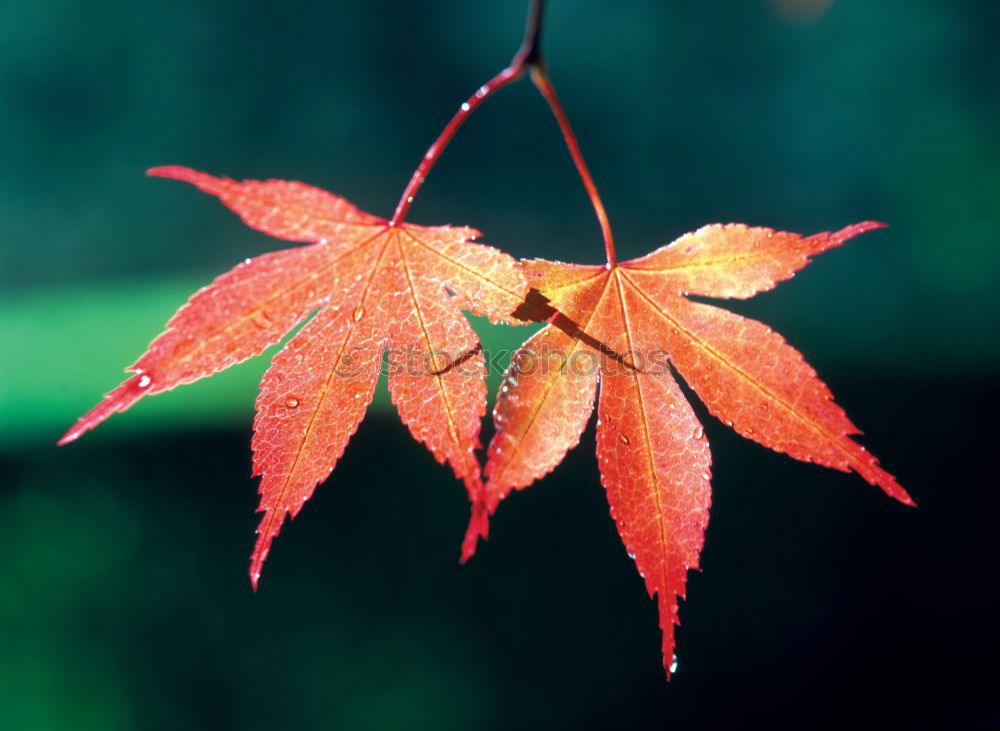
[[628, 327], [372, 286]]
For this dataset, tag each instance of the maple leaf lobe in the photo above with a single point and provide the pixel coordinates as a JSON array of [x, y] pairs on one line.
[[736, 260]]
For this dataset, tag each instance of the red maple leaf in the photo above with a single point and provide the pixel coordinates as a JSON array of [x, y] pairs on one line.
[[372, 284], [626, 325]]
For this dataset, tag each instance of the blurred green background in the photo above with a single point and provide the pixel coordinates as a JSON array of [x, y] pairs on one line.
[[125, 602]]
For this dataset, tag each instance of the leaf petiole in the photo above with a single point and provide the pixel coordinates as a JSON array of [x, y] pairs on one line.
[[544, 85], [528, 55]]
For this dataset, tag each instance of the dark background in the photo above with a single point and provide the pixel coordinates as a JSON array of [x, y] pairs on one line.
[[125, 602]]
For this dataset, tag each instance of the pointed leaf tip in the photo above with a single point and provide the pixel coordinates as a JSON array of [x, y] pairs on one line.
[[849, 232], [903, 496], [121, 398], [670, 668], [205, 182], [257, 564], [270, 526], [479, 527], [178, 172]]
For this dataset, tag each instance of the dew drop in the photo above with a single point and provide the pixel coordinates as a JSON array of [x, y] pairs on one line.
[[698, 433], [624, 439], [292, 402], [359, 312], [144, 381], [673, 664]]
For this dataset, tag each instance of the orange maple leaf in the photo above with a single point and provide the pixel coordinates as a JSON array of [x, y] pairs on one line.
[[626, 325], [374, 283]]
